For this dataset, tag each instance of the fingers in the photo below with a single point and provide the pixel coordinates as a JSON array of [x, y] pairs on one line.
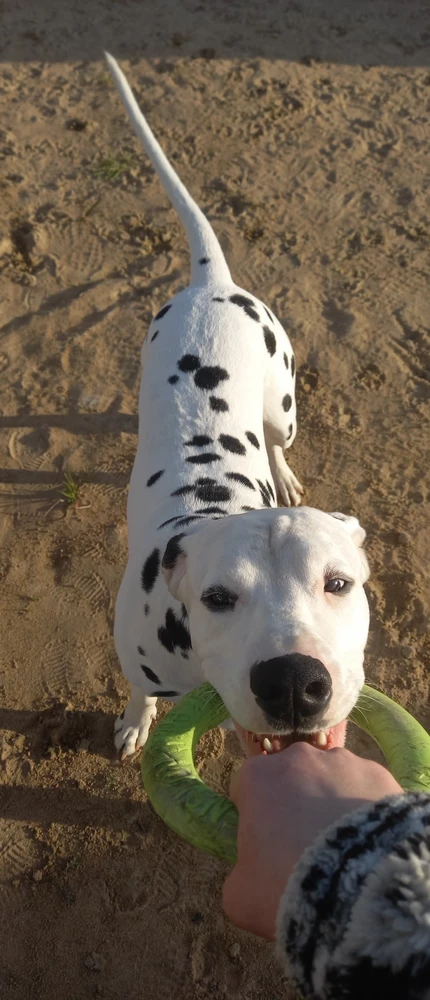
[[271, 767]]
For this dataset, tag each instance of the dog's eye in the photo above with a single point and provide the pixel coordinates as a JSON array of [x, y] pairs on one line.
[[219, 599], [335, 585]]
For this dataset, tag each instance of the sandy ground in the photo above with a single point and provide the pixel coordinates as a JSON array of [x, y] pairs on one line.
[[303, 135]]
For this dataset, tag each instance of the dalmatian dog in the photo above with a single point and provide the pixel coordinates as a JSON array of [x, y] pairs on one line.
[[265, 602]]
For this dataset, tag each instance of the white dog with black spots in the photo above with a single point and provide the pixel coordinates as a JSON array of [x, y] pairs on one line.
[[222, 585]]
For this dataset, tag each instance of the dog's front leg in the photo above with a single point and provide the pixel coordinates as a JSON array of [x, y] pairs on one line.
[[132, 727]]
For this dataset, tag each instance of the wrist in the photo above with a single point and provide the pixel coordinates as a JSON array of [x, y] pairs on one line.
[[317, 904]]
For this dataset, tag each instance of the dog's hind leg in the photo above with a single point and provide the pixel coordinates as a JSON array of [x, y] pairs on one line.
[[288, 488], [280, 425]]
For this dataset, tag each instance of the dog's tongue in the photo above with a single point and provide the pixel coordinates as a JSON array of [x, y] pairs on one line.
[[254, 744]]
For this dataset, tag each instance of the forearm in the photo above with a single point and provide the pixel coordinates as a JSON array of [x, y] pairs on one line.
[[355, 915]]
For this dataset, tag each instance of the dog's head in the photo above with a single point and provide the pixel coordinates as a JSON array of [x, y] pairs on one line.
[[278, 614]]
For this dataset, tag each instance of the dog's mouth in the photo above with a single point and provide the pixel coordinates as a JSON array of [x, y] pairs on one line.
[[254, 744]]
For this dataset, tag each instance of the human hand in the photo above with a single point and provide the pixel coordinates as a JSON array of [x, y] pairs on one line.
[[284, 801]]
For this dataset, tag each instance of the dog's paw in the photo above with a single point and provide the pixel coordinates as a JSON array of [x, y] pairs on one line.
[[130, 735], [289, 490]]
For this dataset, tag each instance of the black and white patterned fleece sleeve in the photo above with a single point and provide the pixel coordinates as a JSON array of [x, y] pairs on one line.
[[354, 921]]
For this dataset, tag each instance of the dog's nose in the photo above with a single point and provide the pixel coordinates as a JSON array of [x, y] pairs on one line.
[[293, 689]]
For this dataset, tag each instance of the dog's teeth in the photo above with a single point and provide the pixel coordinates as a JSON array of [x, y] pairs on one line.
[[321, 740], [267, 745]]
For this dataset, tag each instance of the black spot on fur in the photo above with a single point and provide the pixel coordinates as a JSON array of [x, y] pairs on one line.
[[252, 439], [293, 365], [216, 298], [163, 312], [204, 260], [184, 655], [265, 499], [205, 481], [210, 376], [150, 674], [269, 314], [154, 335], [150, 570], [141, 651], [217, 404], [264, 493], [153, 479], [167, 694], [286, 362], [198, 441], [174, 633], [173, 379], [146, 609], [290, 430], [184, 521], [233, 444], [182, 490], [172, 551], [249, 508], [205, 458], [247, 304], [169, 521], [189, 363], [213, 492], [239, 478], [269, 340], [213, 510], [270, 489], [287, 402]]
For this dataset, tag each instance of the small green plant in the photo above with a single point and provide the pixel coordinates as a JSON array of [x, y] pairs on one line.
[[69, 495], [104, 79], [73, 862], [111, 780], [112, 167], [70, 490]]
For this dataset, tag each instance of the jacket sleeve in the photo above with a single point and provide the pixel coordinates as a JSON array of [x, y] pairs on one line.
[[354, 920]]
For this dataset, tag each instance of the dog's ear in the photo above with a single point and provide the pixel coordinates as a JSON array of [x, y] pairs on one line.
[[352, 526], [174, 567], [358, 534]]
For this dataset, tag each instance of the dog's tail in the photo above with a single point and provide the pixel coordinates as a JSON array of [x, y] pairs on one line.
[[207, 259]]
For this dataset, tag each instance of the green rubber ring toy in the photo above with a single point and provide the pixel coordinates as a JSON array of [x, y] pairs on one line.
[[208, 820]]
